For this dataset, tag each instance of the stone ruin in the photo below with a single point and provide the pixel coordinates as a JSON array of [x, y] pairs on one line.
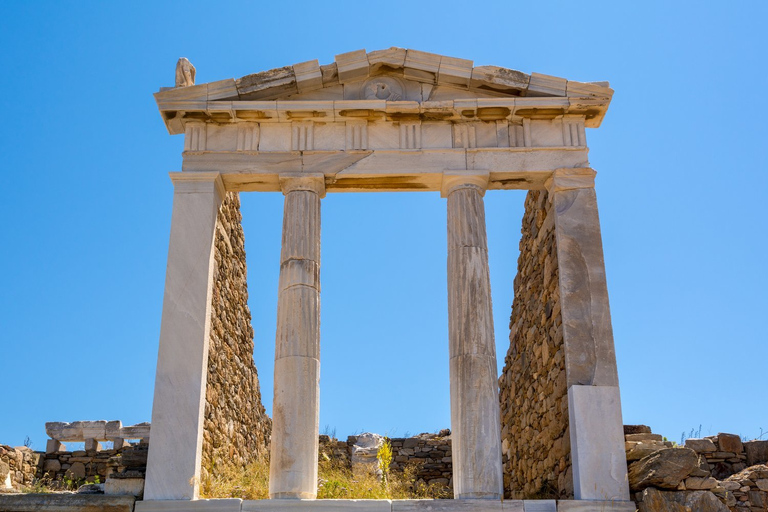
[[547, 434], [396, 120]]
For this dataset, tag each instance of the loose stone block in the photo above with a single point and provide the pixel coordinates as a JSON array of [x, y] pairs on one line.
[[701, 445], [124, 486], [729, 443], [92, 445], [664, 469], [757, 452], [53, 446]]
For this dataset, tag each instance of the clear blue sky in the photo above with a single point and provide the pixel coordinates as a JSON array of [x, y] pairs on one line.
[[86, 205]]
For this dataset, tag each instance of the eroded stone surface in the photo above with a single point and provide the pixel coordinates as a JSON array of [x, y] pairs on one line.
[[664, 469], [654, 500], [185, 73]]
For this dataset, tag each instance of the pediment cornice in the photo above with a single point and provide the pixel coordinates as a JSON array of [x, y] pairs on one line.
[[385, 84]]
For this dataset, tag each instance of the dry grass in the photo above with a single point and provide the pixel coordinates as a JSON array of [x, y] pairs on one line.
[[335, 482]]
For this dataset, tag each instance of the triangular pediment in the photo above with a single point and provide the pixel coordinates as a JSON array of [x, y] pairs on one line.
[[392, 75]]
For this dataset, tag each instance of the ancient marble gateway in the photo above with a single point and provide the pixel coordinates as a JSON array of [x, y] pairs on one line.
[[389, 120]]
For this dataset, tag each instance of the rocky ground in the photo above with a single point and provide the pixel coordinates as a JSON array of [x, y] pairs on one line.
[[713, 474]]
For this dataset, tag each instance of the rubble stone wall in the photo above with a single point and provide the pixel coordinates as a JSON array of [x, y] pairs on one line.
[[237, 428], [65, 469], [18, 467], [533, 392], [429, 456], [714, 474]]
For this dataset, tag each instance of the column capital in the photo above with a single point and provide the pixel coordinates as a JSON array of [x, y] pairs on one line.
[[313, 182], [569, 179], [453, 180], [190, 182]]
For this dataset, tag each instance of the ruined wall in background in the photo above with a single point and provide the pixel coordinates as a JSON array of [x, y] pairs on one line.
[[533, 392], [18, 467], [237, 429]]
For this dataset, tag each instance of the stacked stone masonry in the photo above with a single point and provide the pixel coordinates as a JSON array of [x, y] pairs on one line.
[[428, 454], [713, 474], [18, 467], [237, 428], [533, 394], [76, 467]]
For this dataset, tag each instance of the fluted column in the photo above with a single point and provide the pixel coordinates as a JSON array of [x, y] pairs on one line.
[[594, 404], [475, 423], [173, 465], [295, 409]]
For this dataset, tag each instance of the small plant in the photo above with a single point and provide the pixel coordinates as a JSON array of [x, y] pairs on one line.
[[27, 442], [384, 456], [693, 434]]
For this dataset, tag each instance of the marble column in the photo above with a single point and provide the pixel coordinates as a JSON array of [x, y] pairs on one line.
[[475, 423], [173, 466], [295, 409], [594, 404]]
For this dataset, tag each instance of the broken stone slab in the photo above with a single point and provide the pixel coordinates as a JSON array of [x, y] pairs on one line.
[[701, 445], [664, 469], [654, 500], [65, 503]]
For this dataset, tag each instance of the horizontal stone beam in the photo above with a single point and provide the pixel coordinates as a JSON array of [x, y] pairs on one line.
[[177, 112], [385, 170], [100, 430]]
